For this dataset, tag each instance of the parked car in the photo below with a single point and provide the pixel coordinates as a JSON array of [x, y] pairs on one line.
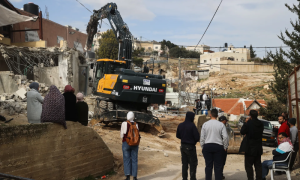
[[269, 137]]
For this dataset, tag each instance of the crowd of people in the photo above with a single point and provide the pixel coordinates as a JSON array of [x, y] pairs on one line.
[[56, 107], [214, 142], [214, 139]]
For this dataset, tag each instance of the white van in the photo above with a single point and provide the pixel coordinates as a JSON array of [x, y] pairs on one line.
[[275, 123]]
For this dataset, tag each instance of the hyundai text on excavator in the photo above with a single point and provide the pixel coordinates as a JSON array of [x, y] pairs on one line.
[[118, 88]]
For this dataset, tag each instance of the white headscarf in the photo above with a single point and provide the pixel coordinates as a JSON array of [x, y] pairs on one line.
[[130, 116]]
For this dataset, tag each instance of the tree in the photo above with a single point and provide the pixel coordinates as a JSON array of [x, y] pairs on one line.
[[273, 110], [138, 61], [283, 60], [252, 52], [282, 70], [183, 53], [109, 46]]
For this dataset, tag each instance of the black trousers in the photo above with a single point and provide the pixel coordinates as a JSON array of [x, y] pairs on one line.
[[249, 162], [225, 157], [214, 158], [294, 155], [189, 157]]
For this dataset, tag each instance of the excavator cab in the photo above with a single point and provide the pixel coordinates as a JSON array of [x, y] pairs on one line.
[[106, 66]]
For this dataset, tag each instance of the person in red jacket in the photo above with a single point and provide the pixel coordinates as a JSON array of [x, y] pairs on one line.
[[284, 127]]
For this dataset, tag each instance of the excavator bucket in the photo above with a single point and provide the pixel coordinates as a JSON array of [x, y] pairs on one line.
[[145, 119], [234, 141]]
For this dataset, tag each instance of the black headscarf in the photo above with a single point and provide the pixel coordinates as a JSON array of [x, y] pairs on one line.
[[34, 85]]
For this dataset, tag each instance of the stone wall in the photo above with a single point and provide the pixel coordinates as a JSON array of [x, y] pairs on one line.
[[7, 83], [48, 151]]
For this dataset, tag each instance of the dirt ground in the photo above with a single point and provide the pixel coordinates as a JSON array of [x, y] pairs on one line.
[[154, 165]]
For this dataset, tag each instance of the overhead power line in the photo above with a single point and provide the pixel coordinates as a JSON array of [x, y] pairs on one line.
[[209, 23], [84, 6]]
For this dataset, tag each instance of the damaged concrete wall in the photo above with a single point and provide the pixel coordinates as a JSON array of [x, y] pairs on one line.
[[48, 151], [68, 72], [7, 82]]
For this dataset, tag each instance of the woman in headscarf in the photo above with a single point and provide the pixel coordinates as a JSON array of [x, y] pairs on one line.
[[34, 104], [130, 153], [54, 107], [70, 104], [82, 110]]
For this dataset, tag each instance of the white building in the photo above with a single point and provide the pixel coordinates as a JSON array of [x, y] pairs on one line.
[[199, 48], [96, 44], [211, 60]]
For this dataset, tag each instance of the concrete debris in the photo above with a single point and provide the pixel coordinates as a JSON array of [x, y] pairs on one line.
[[21, 93], [166, 154]]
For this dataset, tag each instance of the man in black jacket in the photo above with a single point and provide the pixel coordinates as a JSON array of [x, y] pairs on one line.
[[253, 129], [279, 154], [189, 135]]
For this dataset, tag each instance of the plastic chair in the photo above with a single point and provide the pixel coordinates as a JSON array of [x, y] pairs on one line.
[[284, 168]]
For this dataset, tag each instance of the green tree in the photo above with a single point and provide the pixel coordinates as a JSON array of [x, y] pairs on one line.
[[273, 109], [285, 60], [252, 52], [282, 70], [177, 52], [138, 61], [109, 46]]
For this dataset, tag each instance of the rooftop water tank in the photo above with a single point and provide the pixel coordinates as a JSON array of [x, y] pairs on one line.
[[31, 8]]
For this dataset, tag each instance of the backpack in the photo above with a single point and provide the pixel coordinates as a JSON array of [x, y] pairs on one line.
[[133, 135]]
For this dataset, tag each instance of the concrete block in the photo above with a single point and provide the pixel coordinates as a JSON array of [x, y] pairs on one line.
[[2, 98], [21, 93]]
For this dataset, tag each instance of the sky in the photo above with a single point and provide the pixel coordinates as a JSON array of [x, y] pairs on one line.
[[246, 22]]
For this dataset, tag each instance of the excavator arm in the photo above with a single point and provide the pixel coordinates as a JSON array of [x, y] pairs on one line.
[[119, 27]]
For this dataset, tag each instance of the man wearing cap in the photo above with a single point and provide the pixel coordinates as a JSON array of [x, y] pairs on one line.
[[224, 120], [294, 139]]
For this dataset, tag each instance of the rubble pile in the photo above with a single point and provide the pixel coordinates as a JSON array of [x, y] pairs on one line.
[[16, 103]]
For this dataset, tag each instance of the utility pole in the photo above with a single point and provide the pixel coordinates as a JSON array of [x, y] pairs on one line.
[[179, 83]]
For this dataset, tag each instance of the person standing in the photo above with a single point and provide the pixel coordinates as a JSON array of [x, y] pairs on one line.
[[54, 107], [253, 129], [189, 136], [82, 109], [284, 127], [70, 104], [294, 139], [204, 98], [34, 104], [224, 120], [130, 153], [214, 141]]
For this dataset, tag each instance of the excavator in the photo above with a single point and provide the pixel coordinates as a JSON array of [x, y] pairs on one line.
[[118, 88]]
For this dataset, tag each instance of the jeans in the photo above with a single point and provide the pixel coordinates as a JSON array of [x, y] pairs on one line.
[[249, 162], [214, 158], [266, 165], [189, 157], [130, 159]]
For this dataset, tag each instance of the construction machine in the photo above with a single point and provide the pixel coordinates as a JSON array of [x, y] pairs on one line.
[[118, 88]]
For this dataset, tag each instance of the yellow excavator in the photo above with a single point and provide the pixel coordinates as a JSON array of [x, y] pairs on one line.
[[118, 88]]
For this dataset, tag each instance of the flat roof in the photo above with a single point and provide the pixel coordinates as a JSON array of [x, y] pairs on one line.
[[110, 60]]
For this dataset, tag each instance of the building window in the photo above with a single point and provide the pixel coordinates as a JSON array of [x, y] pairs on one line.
[[216, 59], [237, 59], [242, 59], [149, 48], [205, 61], [156, 47]]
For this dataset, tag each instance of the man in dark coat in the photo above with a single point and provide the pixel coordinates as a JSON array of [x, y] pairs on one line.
[[253, 129], [82, 109], [189, 135], [70, 104]]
